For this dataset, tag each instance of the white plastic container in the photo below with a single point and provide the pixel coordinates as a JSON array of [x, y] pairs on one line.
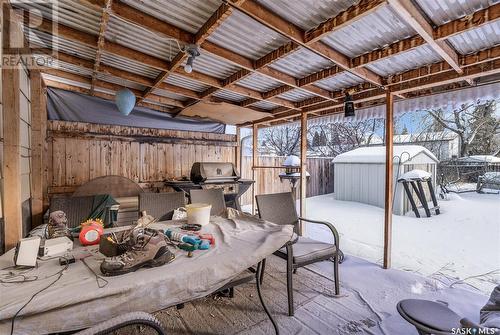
[[198, 213]]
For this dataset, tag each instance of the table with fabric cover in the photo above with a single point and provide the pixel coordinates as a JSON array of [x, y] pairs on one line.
[[76, 301]]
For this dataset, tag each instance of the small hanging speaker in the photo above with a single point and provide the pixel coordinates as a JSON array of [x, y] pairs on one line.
[[348, 106]]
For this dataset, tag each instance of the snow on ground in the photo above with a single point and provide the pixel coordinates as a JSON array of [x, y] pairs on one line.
[[462, 242]]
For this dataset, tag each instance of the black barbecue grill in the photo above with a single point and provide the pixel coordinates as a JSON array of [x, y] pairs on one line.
[[215, 175]]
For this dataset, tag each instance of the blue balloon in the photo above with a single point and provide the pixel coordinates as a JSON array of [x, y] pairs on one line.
[[125, 101]]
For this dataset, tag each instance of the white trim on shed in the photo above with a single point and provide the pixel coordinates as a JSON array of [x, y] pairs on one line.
[[360, 174]]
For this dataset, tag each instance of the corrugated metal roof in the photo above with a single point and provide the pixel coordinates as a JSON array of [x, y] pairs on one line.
[[408, 60], [247, 37], [66, 12], [213, 66], [189, 15], [170, 95], [181, 81], [228, 95], [119, 81], [129, 65], [442, 11], [339, 81], [158, 104], [104, 90], [484, 37], [45, 40], [140, 39], [258, 82], [66, 81], [307, 14], [371, 32], [296, 95], [265, 105], [68, 67], [301, 63]]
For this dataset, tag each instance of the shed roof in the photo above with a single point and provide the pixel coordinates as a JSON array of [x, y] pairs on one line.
[[376, 155]]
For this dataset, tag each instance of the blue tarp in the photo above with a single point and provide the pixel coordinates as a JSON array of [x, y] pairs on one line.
[[70, 106]]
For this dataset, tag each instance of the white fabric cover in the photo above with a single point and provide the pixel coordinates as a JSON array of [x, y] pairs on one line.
[[76, 302]]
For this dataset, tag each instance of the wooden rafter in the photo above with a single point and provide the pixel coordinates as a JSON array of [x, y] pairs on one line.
[[261, 66], [100, 41], [278, 24], [412, 16], [483, 63]]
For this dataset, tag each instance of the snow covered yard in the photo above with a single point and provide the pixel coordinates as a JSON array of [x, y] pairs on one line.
[[462, 242]]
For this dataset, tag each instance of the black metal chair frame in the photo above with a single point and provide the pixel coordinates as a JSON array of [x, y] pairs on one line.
[[292, 267]]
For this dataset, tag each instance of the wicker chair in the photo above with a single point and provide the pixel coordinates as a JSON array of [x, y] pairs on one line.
[[161, 205], [214, 197], [279, 208], [77, 209]]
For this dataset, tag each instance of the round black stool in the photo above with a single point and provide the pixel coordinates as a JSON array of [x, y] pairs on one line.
[[429, 317]]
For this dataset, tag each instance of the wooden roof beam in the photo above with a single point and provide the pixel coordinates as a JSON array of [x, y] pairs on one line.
[[356, 12], [441, 33], [483, 63], [278, 24], [111, 86], [91, 40], [100, 41], [220, 15], [411, 15], [119, 73]]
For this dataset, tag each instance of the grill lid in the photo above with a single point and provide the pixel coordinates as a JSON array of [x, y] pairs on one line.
[[213, 172]]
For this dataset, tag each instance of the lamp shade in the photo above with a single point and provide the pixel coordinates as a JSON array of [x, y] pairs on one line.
[[125, 101]]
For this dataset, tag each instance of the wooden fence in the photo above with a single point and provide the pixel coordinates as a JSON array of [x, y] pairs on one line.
[[268, 181], [79, 152]]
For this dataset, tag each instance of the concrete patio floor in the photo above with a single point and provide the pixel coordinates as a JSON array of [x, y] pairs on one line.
[[367, 304]]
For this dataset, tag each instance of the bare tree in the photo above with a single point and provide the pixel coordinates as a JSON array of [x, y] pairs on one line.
[[468, 121], [281, 140], [337, 138]]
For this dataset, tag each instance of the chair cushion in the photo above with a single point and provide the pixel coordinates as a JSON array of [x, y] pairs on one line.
[[306, 250], [431, 314]]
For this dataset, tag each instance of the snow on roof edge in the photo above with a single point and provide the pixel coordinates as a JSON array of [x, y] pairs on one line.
[[376, 154]]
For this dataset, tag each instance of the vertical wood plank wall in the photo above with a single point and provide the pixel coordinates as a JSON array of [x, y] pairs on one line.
[[268, 181], [80, 152]]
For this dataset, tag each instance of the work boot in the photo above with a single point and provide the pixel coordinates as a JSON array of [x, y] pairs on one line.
[[147, 248], [57, 226]]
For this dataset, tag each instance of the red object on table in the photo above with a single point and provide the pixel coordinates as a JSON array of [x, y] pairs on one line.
[[208, 237], [91, 234]]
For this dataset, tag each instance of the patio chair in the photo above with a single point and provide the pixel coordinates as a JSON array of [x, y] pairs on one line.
[[214, 197], [161, 205], [279, 208], [431, 317]]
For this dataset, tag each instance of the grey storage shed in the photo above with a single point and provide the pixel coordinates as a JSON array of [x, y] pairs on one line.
[[360, 174]]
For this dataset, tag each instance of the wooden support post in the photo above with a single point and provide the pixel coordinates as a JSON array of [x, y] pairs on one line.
[[389, 132], [237, 150], [11, 154], [38, 129], [254, 162], [303, 167]]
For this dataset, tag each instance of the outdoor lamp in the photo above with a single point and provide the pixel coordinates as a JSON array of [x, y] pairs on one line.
[[125, 101], [193, 52], [348, 105]]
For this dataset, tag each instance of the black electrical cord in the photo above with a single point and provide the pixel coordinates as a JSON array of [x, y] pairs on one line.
[[58, 274], [258, 272]]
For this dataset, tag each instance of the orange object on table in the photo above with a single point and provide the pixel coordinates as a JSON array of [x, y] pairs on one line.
[[91, 234]]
